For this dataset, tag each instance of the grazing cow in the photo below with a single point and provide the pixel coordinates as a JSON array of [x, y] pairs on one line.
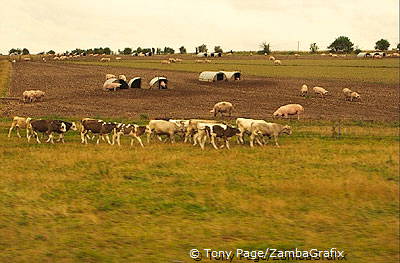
[[162, 127], [19, 123], [215, 131], [68, 126], [191, 129], [244, 126], [268, 129], [133, 130], [97, 127], [47, 127]]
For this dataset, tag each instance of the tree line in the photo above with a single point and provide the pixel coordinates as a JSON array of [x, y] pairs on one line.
[[342, 44]]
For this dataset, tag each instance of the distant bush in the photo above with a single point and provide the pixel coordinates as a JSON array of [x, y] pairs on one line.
[[218, 49], [182, 50], [265, 48], [314, 48]]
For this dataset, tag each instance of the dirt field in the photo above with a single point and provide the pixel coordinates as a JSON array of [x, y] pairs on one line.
[[75, 91]]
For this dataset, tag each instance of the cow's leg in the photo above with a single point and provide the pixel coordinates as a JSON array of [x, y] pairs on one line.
[[258, 140], [108, 139], [139, 140], [148, 137], [9, 131], [187, 134], [113, 139], [37, 137], [227, 144], [83, 137], [196, 138], [213, 142], [51, 138], [19, 135], [263, 140], [172, 137], [202, 141], [17, 129], [240, 137], [252, 139], [276, 140], [98, 139], [119, 139]]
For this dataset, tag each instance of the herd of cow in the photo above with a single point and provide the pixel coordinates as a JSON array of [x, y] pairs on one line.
[[194, 130]]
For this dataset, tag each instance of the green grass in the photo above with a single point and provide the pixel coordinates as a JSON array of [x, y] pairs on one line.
[[385, 71], [77, 203]]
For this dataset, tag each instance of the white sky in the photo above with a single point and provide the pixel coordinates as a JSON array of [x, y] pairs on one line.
[[42, 25]]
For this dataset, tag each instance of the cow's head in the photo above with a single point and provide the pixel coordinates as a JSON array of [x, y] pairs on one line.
[[74, 127], [63, 127], [286, 129]]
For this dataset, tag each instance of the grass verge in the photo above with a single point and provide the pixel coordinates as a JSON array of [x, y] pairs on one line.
[[99, 203]]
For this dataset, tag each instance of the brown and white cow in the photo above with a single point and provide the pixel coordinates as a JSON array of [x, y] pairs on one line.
[[48, 127], [133, 130], [214, 131], [97, 127]]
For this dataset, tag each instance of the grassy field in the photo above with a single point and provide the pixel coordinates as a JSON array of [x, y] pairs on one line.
[[385, 71], [76, 203], [99, 203]]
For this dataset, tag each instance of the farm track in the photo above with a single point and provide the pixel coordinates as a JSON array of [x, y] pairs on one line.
[[75, 91]]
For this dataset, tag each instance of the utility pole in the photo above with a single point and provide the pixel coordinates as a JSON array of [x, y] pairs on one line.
[[298, 46]]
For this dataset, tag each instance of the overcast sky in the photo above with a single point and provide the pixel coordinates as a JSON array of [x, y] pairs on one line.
[[42, 25]]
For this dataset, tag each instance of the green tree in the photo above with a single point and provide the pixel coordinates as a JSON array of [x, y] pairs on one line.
[[168, 50], [398, 46], [17, 51], [182, 50], [127, 51], [159, 51], [107, 51], [25, 51], [382, 44], [341, 44], [265, 48], [314, 48], [218, 49], [202, 48], [51, 52], [146, 50]]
